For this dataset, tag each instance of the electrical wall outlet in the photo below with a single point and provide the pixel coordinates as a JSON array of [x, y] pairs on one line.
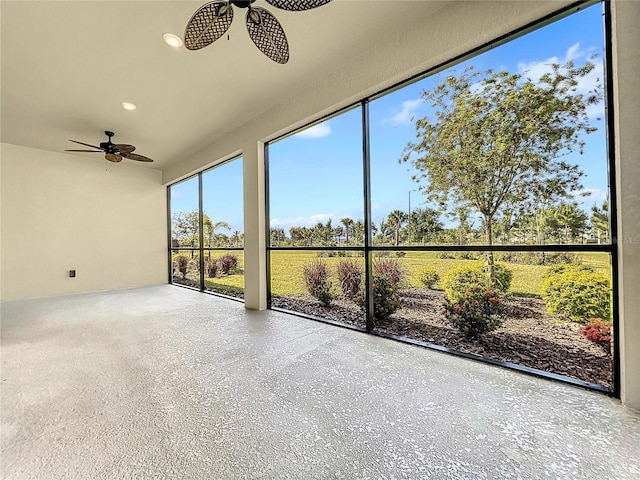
[[72, 273]]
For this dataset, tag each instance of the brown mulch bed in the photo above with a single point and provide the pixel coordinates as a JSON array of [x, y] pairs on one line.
[[529, 336]]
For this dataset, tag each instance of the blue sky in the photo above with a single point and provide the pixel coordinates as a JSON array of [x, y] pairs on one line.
[[317, 174]]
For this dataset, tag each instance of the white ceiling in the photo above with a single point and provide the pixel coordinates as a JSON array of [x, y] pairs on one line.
[[68, 65]]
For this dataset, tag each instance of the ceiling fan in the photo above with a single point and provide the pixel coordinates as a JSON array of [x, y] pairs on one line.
[[114, 152], [213, 19]]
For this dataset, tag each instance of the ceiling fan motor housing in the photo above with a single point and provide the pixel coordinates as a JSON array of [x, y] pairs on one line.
[[109, 145], [242, 3]]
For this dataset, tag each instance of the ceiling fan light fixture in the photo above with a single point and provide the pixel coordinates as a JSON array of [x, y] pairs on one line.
[[172, 40], [255, 17], [128, 106]]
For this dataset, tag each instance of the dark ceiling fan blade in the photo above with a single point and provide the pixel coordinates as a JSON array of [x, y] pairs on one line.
[[89, 151], [297, 5], [112, 157], [267, 34], [208, 24], [87, 145], [136, 157], [124, 148]]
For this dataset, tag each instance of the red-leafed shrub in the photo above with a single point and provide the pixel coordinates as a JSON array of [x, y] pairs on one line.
[[390, 269], [183, 265], [316, 279], [598, 332], [227, 263], [350, 274], [211, 266]]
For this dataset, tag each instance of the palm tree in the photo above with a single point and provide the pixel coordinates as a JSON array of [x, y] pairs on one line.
[[348, 223], [395, 221], [210, 228], [307, 235], [296, 234], [384, 231], [236, 237]]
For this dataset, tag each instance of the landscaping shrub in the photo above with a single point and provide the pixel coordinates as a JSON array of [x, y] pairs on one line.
[[458, 280], [211, 267], [350, 275], [577, 293], [390, 269], [503, 276], [558, 258], [476, 312], [183, 263], [227, 263], [558, 269], [540, 258], [598, 332], [386, 299], [316, 279], [428, 277]]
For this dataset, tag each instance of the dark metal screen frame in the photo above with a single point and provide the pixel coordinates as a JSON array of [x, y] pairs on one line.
[[200, 248], [368, 249]]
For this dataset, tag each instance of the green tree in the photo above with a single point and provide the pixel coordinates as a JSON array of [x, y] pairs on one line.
[[308, 235], [461, 215], [395, 220], [384, 232], [424, 223], [237, 238], [497, 137], [186, 227], [277, 236], [210, 227], [600, 221], [296, 234], [570, 221], [357, 233], [348, 225], [325, 233]]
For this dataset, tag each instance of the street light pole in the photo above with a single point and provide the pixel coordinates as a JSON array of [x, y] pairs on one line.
[[410, 201]]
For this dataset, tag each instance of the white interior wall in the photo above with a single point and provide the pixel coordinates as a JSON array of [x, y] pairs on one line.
[[62, 212]]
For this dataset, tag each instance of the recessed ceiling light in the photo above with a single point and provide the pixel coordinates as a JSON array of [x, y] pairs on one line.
[[128, 106], [172, 40]]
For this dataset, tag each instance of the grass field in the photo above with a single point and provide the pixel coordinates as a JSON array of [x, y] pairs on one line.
[[286, 271], [286, 268], [231, 284]]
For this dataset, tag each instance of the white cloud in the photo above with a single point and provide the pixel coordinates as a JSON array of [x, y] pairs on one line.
[[590, 195], [536, 69], [302, 221], [406, 113], [317, 131]]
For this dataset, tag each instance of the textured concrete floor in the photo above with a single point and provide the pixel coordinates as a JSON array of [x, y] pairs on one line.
[[164, 382]]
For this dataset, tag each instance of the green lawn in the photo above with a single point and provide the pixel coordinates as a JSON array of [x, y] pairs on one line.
[[232, 284], [286, 270]]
